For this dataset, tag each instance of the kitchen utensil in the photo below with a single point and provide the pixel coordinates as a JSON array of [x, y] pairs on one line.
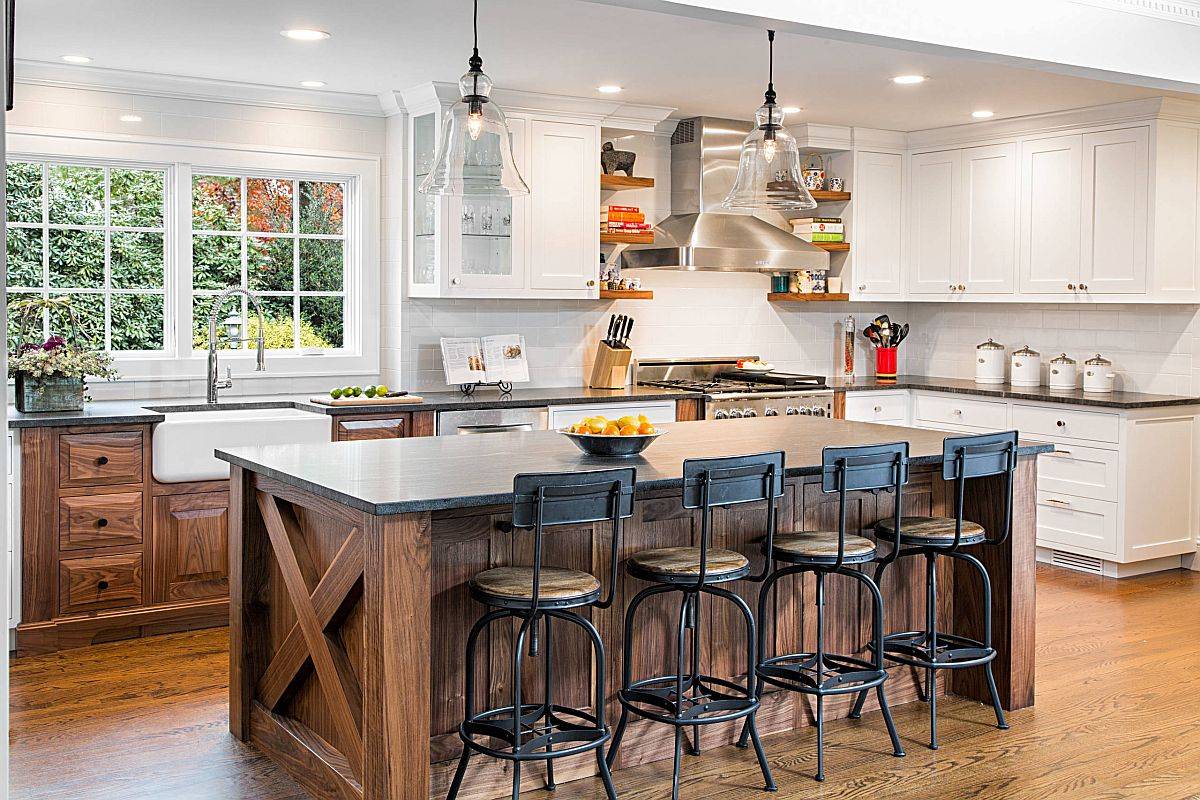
[[902, 335], [1062, 372], [872, 334], [611, 446], [813, 173], [989, 362], [612, 329], [1026, 367], [883, 320], [626, 329], [1098, 374]]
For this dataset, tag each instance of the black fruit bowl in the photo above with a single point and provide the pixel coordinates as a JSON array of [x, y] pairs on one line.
[[611, 446]]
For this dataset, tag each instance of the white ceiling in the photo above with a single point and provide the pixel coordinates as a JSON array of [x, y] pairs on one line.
[[556, 46]]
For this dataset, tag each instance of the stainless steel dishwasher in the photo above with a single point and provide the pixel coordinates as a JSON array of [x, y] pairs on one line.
[[492, 420]]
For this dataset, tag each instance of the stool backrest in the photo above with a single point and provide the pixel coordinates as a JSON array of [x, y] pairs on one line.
[[710, 483], [549, 499], [965, 457], [864, 468]]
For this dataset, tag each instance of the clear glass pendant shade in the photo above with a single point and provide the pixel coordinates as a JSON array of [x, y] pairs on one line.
[[769, 167], [474, 156]]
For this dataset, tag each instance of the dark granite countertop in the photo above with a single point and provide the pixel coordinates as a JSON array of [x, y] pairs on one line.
[[101, 412], [1042, 394], [431, 473]]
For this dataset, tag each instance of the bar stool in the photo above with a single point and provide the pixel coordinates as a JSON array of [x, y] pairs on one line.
[[963, 458], [688, 698], [820, 673], [544, 731]]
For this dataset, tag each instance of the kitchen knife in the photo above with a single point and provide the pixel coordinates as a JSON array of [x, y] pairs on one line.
[[612, 331], [628, 330]]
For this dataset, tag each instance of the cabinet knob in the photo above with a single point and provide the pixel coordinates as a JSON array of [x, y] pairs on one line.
[[591, 283], [957, 412], [962, 287], [102, 460], [878, 409], [862, 287], [102, 585], [102, 523], [952, 287], [455, 281], [1083, 287], [1071, 286], [1061, 424]]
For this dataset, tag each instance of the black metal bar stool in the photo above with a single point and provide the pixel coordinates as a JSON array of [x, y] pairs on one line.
[[688, 698], [964, 458], [820, 673], [543, 731]]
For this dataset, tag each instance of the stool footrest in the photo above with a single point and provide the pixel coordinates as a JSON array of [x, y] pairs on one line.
[[839, 674], [705, 700], [952, 652], [537, 730]]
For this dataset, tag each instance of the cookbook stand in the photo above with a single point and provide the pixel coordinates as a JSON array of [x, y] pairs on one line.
[[468, 389]]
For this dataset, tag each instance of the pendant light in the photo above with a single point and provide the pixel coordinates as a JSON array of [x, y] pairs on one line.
[[768, 174], [474, 156]]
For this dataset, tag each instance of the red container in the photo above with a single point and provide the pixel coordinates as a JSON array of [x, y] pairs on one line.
[[885, 362]]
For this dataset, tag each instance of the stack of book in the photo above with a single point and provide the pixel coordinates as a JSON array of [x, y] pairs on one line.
[[819, 229], [623, 219]]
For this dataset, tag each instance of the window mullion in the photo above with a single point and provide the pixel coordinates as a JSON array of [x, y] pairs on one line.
[[296, 265]]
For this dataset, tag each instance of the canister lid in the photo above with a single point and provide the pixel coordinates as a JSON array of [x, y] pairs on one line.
[[989, 345], [1026, 351], [1098, 361], [1062, 358]]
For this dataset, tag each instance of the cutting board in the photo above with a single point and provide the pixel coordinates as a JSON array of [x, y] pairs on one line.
[[408, 399]]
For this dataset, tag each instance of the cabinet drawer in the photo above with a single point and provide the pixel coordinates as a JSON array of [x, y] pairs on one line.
[[955, 410], [353, 430], [877, 407], [1079, 471], [94, 584], [1077, 522], [1094, 426], [96, 459], [101, 520]]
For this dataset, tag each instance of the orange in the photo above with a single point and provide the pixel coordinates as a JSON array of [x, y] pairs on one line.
[[645, 429], [629, 430], [611, 429]]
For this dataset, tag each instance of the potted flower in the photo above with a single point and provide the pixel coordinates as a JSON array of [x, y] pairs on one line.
[[51, 375]]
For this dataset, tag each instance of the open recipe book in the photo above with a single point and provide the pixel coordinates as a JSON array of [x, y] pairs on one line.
[[490, 359]]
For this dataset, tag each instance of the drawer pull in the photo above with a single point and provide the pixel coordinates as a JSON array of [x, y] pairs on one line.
[[957, 412], [1061, 453], [878, 409], [1060, 424], [102, 585], [102, 523], [102, 460], [1057, 501]]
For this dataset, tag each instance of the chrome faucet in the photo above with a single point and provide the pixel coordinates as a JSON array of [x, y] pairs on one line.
[[214, 383]]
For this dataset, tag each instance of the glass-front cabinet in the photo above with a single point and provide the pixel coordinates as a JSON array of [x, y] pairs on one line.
[[481, 246]]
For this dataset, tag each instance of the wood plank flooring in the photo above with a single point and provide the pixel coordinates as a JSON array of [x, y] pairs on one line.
[[1117, 716]]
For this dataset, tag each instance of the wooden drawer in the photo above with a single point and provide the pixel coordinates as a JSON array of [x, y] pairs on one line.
[[938, 409], [1068, 423], [97, 459], [99, 520], [1079, 471], [889, 407], [353, 429], [1076, 522], [95, 584]]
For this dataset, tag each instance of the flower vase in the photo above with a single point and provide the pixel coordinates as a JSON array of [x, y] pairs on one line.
[[56, 393]]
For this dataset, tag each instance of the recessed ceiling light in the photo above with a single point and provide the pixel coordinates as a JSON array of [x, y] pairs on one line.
[[304, 34], [130, 118], [982, 114], [790, 109], [76, 59], [908, 80], [608, 88], [312, 84]]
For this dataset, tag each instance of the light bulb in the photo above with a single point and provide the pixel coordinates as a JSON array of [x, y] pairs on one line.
[[769, 149], [475, 124]]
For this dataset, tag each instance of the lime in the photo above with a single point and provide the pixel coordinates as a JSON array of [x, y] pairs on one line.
[[348, 391], [335, 394], [369, 391], [382, 389], [357, 391]]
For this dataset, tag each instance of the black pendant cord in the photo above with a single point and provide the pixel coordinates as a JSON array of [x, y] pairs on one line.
[[770, 95], [475, 63]]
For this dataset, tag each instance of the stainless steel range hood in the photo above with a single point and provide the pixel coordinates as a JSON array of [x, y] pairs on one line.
[[701, 235]]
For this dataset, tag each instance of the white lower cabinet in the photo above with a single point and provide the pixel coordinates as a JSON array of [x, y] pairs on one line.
[[1076, 522], [886, 408]]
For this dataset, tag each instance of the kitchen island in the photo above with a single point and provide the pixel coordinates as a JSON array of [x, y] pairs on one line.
[[349, 612]]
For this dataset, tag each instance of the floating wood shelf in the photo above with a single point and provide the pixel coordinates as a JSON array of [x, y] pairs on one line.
[[823, 196], [833, 247], [626, 294], [627, 238], [618, 182], [794, 297]]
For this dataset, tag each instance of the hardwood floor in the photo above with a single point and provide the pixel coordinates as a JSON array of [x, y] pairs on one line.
[[1116, 717]]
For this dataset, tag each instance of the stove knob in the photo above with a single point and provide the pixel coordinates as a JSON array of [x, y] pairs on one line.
[[791, 411], [735, 414], [721, 415], [771, 412], [749, 412], [805, 411], [818, 411]]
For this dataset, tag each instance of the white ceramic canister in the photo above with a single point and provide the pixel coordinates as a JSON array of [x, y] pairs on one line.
[[1098, 374], [1026, 367], [1062, 372], [989, 362]]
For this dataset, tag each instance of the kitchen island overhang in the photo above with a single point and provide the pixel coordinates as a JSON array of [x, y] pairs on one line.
[[349, 607]]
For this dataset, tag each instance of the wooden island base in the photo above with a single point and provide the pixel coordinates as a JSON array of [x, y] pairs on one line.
[[348, 629]]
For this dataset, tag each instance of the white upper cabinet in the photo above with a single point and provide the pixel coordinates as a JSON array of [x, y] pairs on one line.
[[1051, 214], [935, 214], [989, 220], [879, 201], [1116, 177], [564, 181]]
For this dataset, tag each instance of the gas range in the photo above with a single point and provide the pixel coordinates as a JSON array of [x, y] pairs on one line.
[[730, 393]]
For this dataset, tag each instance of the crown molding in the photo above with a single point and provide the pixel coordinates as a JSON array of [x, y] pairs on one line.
[[1185, 11], [44, 73]]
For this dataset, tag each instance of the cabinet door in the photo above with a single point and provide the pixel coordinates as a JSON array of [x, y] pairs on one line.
[[356, 429], [934, 230], [989, 219], [487, 241], [564, 182], [1116, 175], [878, 232], [427, 220], [191, 558], [1051, 183]]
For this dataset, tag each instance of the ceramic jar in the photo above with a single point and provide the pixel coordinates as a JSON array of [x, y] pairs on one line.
[[1026, 367], [1062, 372], [1098, 374], [989, 362]]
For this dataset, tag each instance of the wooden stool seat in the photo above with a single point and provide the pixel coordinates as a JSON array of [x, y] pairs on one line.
[[557, 583], [931, 530], [819, 546], [684, 562]]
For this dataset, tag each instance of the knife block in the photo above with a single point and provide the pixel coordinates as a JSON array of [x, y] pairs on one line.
[[610, 367]]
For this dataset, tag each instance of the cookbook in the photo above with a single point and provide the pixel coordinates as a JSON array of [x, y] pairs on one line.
[[488, 359]]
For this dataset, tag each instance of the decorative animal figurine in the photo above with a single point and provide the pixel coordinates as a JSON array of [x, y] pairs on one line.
[[612, 160]]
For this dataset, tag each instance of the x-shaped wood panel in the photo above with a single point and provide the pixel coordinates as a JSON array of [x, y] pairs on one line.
[[316, 599]]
